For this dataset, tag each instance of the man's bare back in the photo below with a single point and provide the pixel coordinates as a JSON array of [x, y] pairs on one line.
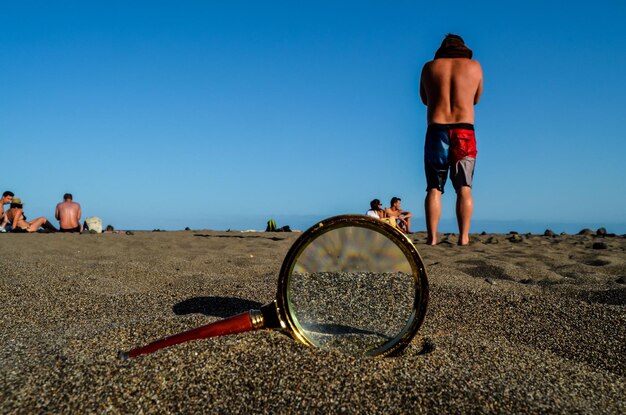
[[68, 214], [450, 88]]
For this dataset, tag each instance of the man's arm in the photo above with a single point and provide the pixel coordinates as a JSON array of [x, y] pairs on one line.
[[479, 89], [57, 214], [422, 88], [79, 213]]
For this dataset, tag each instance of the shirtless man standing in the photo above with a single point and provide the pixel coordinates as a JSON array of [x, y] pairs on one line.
[[68, 214], [450, 86]]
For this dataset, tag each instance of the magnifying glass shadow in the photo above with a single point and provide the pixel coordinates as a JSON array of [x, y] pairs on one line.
[[214, 306]]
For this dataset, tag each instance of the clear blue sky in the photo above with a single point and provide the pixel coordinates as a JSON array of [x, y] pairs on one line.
[[223, 114]]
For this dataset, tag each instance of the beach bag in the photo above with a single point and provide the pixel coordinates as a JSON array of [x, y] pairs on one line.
[[271, 226], [94, 224]]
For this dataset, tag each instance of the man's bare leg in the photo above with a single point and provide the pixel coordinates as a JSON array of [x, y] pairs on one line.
[[464, 209], [433, 213], [406, 217]]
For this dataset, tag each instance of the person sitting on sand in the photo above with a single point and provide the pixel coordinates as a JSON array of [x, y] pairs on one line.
[[18, 220], [403, 217], [376, 209], [68, 214], [7, 197]]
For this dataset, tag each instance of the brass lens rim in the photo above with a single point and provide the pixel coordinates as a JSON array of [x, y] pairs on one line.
[[287, 319]]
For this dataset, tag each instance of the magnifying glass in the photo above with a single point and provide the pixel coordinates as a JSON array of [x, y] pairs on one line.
[[350, 283]]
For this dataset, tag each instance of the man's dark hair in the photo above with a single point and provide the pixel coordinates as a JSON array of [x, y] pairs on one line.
[[374, 204], [68, 196], [7, 193], [394, 200], [453, 37], [453, 46]]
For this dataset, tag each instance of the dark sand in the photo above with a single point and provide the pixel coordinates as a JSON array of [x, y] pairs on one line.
[[535, 326]]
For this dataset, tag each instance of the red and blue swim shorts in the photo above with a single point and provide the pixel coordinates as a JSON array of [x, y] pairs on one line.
[[449, 148]]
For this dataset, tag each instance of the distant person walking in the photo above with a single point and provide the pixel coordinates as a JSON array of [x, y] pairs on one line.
[[68, 214], [7, 197], [450, 86]]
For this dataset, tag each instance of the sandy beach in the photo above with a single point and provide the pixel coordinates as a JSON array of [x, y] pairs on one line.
[[515, 323]]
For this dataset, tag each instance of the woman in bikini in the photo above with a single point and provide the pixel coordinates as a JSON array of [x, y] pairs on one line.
[[17, 218]]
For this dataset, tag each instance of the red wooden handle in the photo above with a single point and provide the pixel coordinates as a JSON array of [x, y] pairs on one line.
[[231, 325]]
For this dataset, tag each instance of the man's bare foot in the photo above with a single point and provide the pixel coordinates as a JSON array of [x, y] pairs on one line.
[[431, 241], [463, 241]]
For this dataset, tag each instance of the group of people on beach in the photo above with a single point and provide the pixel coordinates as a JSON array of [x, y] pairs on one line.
[[398, 217], [14, 220], [450, 85]]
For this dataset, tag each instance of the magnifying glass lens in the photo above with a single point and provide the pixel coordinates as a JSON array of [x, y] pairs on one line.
[[352, 288]]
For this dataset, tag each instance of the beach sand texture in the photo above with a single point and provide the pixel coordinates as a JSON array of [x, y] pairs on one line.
[[526, 324]]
